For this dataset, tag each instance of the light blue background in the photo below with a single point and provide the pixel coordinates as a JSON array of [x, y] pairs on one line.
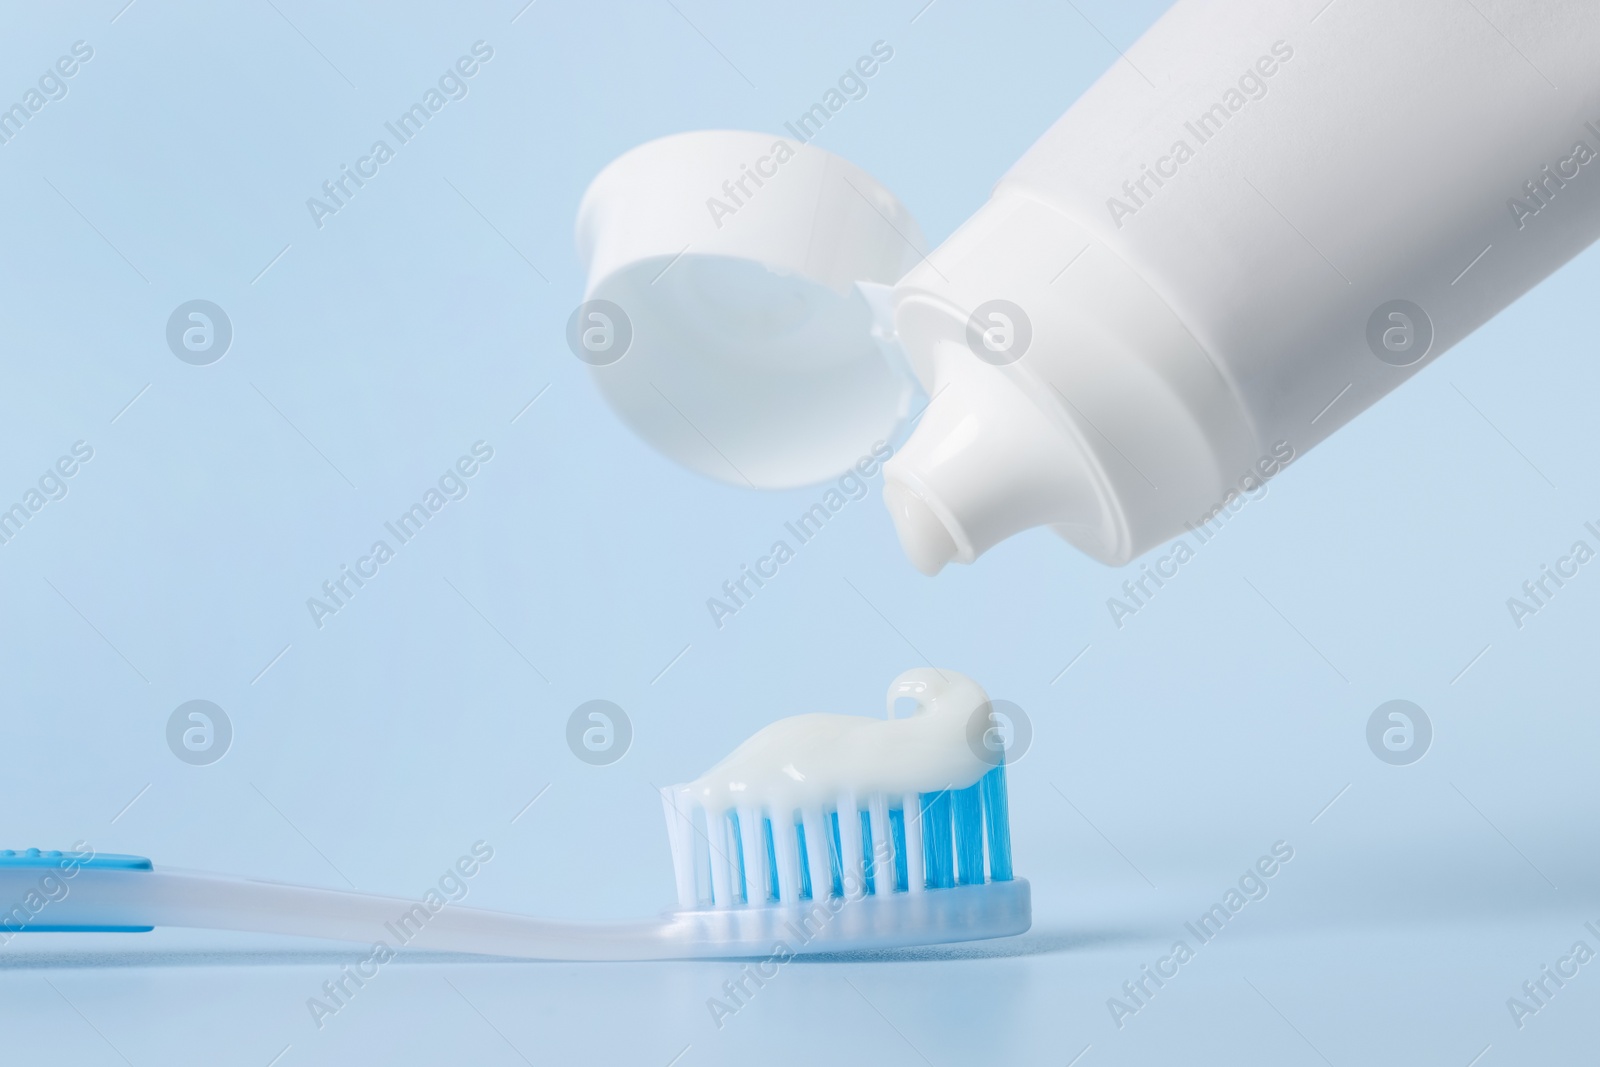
[[377, 349]]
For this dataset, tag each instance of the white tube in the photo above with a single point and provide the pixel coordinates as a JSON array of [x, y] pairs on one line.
[[1264, 218]]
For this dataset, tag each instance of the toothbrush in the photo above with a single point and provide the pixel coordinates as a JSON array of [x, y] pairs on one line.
[[825, 833]]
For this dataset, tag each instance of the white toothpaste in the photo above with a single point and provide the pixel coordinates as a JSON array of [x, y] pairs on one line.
[[809, 761]]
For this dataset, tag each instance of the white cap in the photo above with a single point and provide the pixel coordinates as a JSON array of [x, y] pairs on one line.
[[742, 271]]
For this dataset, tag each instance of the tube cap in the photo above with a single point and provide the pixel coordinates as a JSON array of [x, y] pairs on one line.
[[736, 313]]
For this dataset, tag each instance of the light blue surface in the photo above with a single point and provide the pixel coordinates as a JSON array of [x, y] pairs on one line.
[[1167, 755]]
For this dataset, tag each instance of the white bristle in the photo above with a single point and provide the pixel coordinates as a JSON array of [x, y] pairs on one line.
[[850, 846], [786, 847], [818, 841], [702, 854], [680, 832], [883, 874], [912, 810], [755, 856], [719, 841]]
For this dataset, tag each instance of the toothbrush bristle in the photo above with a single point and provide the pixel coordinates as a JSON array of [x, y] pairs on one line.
[[874, 845]]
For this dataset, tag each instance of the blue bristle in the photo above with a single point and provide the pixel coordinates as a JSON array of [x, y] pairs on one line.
[[938, 854], [868, 874], [742, 889], [997, 820], [772, 859], [805, 860], [897, 830], [969, 835], [834, 855]]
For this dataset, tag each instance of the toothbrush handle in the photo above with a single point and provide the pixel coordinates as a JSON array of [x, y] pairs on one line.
[[105, 896], [107, 899]]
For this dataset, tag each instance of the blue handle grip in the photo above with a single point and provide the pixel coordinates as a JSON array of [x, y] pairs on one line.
[[17, 916], [33, 857]]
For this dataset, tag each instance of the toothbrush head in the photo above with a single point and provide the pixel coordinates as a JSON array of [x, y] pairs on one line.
[[844, 832]]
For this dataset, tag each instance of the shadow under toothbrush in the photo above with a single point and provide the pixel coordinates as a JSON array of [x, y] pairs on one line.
[[1033, 943]]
